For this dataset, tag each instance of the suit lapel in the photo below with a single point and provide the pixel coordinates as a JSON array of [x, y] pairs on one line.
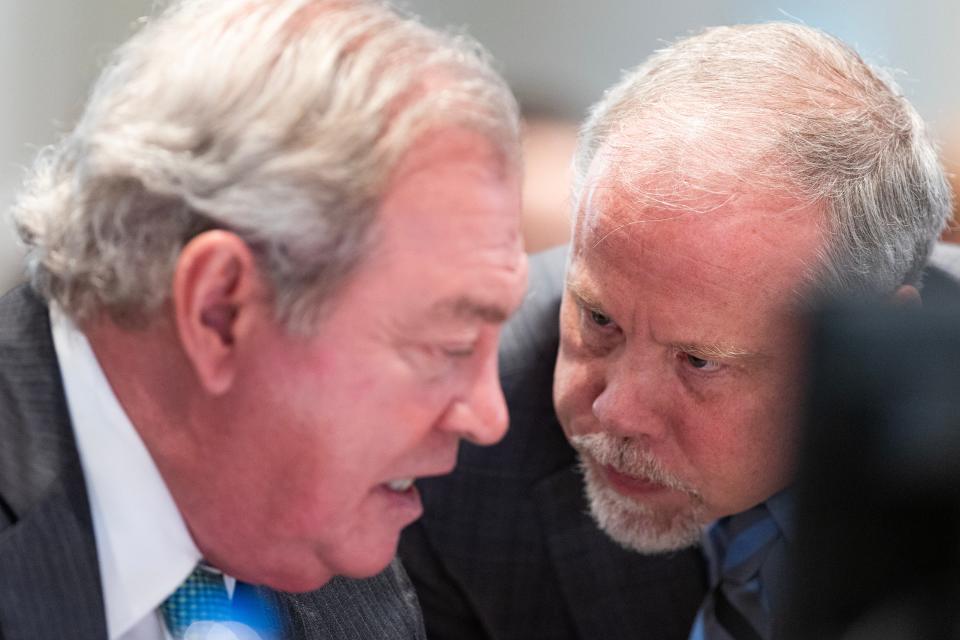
[[610, 592], [50, 581]]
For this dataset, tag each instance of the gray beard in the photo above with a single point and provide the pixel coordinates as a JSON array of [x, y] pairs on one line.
[[639, 527], [632, 524]]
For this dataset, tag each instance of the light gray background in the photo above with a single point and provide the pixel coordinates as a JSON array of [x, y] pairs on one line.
[[559, 56]]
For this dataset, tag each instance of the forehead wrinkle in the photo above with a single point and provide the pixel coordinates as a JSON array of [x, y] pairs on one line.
[[624, 225], [617, 205]]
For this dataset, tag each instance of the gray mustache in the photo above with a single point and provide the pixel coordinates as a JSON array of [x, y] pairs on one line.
[[627, 457]]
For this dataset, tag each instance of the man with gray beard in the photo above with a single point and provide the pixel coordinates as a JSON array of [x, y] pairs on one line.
[[719, 188]]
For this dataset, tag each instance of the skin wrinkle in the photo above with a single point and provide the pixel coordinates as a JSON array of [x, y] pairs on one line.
[[630, 224], [703, 203], [688, 197]]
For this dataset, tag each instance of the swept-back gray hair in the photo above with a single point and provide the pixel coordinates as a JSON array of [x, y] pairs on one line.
[[277, 119], [791, 109]]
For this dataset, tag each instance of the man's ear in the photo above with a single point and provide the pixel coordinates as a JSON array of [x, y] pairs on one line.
[[216, 286], [906, 296]]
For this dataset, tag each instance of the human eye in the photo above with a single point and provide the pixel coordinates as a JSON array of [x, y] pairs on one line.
[[599, 318], [458, 351], [702, 365], [464, 345], [596, 319], [436, 359]]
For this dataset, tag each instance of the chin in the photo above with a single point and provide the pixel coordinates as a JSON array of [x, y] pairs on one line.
[[290, 577], [300, 584], [354, 560], [367, 561]]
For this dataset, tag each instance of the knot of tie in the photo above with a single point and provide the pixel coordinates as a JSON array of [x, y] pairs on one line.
[[203, 598]]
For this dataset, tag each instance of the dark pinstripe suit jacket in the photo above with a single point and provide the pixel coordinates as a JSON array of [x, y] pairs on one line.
[[49, 577], [506, 549]]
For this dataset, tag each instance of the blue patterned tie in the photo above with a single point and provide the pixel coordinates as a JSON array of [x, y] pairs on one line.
[[735, 608], [201, 597]]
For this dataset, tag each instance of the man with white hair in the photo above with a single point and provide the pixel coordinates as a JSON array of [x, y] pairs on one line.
[[268, 267], [721, 187]]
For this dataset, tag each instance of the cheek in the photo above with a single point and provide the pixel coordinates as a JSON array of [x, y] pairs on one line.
[[401, 412], [576, 384], [741, 448], [778, 433], [561, 395]]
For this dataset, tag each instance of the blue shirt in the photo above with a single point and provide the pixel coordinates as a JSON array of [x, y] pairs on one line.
[[778, 515]]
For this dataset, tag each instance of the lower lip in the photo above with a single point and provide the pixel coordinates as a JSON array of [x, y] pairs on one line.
[[405, 503], [629, 485]]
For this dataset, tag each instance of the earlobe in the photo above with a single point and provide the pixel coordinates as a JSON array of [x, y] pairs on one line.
[[214, 285]]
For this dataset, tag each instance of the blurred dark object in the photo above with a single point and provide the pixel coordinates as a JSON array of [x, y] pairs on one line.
[[877, 553]]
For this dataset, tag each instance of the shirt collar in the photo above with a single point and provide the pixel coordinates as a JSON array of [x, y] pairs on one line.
[[780, 506], [144, 549]]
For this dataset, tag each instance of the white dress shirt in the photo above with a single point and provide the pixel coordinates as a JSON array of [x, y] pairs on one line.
[[143, 546]]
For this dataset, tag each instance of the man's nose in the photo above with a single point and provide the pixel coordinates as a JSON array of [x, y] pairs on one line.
[[630, 402], [480, 415]]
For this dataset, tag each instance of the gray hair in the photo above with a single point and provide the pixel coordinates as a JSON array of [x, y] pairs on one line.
[[788, 108], [279, 120]]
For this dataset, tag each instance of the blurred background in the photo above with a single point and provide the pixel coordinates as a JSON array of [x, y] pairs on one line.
[[559, 56]]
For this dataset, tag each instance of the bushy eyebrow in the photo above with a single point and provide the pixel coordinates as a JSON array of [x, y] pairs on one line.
[[469, 308], [582, 295], [719, 351]]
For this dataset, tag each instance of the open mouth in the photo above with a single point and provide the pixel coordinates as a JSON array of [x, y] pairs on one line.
[[400, 485]]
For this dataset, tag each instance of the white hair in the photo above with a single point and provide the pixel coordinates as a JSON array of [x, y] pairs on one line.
[[787, 108], [279, 120]]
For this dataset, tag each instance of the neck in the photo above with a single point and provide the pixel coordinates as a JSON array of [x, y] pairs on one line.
[[154, 383]]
